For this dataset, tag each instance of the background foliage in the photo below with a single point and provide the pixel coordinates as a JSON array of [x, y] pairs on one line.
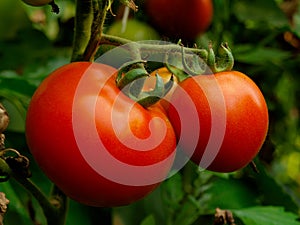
[[264, 37]]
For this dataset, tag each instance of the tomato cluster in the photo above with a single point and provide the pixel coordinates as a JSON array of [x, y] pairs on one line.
[[104, 149]]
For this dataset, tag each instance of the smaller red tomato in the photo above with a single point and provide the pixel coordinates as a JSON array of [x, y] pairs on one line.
[[230, 122]]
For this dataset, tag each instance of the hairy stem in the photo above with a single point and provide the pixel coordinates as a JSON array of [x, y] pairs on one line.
[[82, 33], [100, 11]]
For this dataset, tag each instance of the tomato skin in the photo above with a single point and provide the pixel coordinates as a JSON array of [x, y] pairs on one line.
[[52, 141], [37, 2], [246, 118], [180, 18]]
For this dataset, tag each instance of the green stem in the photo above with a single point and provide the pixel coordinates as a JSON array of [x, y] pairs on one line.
[[100, 11], [82, 33], [55, 213], [153, 48]]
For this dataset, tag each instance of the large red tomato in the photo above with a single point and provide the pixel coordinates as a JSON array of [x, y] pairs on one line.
[[97, 145], [230, 123], [180, 18]]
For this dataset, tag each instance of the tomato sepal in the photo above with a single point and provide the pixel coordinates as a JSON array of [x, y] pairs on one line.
[[148, 98], [225, 60]]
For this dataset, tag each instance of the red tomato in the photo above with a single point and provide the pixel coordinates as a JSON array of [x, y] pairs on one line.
[[231, 120], [180, 18], [97, 145]]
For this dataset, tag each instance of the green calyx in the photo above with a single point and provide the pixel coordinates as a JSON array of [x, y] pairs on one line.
[[224, 61], [181, 62], [131, 83], [149, 98], [193, 64]]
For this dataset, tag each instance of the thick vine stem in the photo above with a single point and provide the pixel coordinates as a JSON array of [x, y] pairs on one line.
[[82, 33], [157, 47], [99, 14], [192, 60]]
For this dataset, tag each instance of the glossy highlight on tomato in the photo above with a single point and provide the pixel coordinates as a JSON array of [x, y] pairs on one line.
[[74, 109], [231, 97]]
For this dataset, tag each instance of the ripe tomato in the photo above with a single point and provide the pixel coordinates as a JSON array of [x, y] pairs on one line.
[[180, 18], [135, 30], [37, 2], [97, 145], [231, 120]]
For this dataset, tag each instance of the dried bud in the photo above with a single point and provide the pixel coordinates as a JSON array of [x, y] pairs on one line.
[[4, 119]]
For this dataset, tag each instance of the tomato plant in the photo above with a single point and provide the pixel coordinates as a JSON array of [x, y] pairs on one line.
[[124, 128], [179, 18], [268, 49], [37, 2], [135, 30], [237, 98]]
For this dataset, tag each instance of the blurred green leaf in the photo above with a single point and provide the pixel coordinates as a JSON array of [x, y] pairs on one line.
[[266, 215], [259, 11], [132, 214], [189, 212], [13, 19], [231, 193], [149, 220], [13, 81], [172, 192], [272, 193], [296, 27], [254, 55]]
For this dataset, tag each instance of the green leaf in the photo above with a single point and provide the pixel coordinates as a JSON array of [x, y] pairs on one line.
[[149, 220], [172, 192], [131, 214], [12, 81], [259, 55], [230, 193], [272, 193], [266, 215], [188, 213], [296, 27], [259, 11], [13, 18]]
